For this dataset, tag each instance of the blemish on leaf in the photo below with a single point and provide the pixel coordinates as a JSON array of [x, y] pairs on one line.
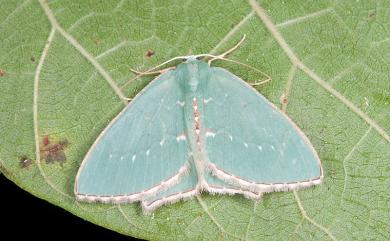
[[45, 140], [2, 73], [32, 59], [24, 162], [53, 151], [96, 41], [149, 53], [180, 221], [371, 14], [283, 99], [221, 236]]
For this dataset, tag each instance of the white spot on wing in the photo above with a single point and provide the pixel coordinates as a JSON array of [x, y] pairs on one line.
[[272, 147], [147, 152], [231, 137], [260, 148], [121, 157], [162, 142], [162, 100], [207, 100], [181, 103], [110, 156], [210, 133], [133, 158], [181, 137], [294, 161], [246, 144]]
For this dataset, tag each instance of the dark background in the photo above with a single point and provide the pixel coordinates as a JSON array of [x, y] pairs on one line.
[[26, 216]]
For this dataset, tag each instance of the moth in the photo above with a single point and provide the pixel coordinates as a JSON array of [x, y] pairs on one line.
[[193, 129]]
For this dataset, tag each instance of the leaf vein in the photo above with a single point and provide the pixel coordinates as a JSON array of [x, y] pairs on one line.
[[213, 219], [250, 220], [293, 21], [348, 156], [35, 113], [120, 45], [305, 216], [17, 9], [80, 21], [287, 89], [294, 59], [343, 72], [81, 49]]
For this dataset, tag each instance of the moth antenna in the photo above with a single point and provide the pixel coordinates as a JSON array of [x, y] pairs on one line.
[[221, 56], [233, 48]]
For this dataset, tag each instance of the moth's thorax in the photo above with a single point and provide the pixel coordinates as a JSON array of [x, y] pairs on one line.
[[193, 76]]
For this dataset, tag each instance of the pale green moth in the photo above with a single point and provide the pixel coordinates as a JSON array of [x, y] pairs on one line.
[[192, 129]]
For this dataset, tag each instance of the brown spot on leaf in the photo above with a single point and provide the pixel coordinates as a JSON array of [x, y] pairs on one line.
[[45, 140], [96, 41], [371, 14], [53, 151], [149, 53], [221, 236], [283, 99], [2, 73], [24, 161], [32, 59]]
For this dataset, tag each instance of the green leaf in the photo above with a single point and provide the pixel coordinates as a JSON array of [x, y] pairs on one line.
[[64, 65]]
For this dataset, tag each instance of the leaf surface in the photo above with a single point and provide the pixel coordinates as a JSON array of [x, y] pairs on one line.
[[64, 66]]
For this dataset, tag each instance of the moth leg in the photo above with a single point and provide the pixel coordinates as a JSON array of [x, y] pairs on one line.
[[127, 99], [259, 82], [256, 83], [140, 74]]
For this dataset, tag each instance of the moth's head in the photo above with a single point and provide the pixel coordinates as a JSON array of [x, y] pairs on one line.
[[192, 74]]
